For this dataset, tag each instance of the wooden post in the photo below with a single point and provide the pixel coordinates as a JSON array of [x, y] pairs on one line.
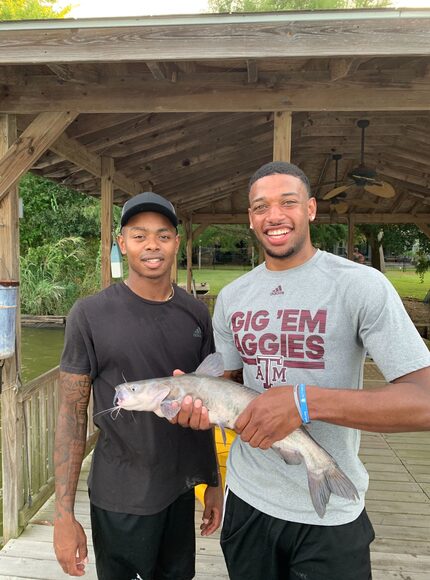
[[108, 170], [351, 227], [282, 136], [11, 439], [188, 226], [281, 148], [174, 271]]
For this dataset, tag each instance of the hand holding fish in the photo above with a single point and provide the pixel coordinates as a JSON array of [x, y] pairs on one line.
[[192, 414], [268, 418]]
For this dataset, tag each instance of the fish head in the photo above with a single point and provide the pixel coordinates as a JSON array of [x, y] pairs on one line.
[[141, 395]]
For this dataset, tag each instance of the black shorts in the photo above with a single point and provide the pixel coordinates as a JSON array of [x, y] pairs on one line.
[[259, 547], [156, 547]]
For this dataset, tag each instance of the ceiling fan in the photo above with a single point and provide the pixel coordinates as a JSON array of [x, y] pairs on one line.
[[361, 176]]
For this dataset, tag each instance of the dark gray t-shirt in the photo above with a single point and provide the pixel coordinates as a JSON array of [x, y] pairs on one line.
[[141, 462]]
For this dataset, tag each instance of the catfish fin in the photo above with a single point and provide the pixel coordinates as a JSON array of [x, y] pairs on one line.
[[212, 366], [324, 483], [290, 457], [223, 435], [169, 409]]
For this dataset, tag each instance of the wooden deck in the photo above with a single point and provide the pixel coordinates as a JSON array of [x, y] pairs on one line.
[[398, 503]]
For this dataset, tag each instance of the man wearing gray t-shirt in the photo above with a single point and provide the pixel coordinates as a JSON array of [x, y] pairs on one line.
[[303, 321]]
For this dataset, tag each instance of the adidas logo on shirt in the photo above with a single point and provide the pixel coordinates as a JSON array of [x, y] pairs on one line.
[[277, 291], [198, 332]]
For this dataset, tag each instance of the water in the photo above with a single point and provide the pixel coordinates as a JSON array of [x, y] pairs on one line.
[[41, 350]]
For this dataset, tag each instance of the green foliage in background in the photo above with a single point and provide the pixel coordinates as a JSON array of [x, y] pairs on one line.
[[52, 212], [31, 9], [60, 246], [279, 5], [50, 276], [326, 236]]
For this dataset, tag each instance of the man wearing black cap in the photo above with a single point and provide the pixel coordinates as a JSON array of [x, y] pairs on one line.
[[144, 468]]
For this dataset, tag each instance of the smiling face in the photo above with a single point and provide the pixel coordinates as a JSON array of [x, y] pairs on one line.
[[150, 242], [279, 213]]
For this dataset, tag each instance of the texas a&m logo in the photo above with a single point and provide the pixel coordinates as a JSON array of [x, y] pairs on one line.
[[293, 338]]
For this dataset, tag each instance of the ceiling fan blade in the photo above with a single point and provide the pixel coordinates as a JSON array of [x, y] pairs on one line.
[[383, 189], [341, 207], [336, 191]]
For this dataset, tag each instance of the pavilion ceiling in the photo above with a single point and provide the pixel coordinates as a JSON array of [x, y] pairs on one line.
[[195, 129]]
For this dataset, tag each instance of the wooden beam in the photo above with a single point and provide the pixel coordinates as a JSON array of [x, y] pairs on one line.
[[342, 67], [282, 136], [80, 74], [221, 218], [198, 95], [188, 227], [252, 68], [157, 70], [323, 215], [82, 157], [32, 143], [107, 180], [199, 230], [217, 37], [401, 218], [425, 229]]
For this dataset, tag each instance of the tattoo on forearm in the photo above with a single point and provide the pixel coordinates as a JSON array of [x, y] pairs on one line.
[[70, 438]]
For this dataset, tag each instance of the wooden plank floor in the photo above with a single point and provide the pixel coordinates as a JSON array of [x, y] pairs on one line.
[[398, 503]]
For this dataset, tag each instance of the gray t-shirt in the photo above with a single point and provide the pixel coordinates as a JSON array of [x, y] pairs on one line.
[[311, 324]]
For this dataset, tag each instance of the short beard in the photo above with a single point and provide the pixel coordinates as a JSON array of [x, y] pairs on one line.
[[286, 254]]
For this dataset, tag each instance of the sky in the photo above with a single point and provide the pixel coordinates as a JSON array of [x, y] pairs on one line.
[[94, 8]]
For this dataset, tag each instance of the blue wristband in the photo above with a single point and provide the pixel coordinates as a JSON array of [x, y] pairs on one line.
[[304, 412]]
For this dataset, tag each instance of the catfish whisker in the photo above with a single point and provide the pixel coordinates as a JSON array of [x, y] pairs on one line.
[[111, 410], [118, 410]]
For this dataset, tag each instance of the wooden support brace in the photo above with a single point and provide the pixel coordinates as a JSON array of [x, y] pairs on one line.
[[32, 143], [424, 228], [157, 70], [82, 157]]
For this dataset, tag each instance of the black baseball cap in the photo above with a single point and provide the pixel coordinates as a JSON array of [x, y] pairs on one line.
[[148, 201]]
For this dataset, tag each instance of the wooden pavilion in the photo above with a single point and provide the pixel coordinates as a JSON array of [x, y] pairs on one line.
[[189, 107]]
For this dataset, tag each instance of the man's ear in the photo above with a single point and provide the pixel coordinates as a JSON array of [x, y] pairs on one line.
[[121, 244], [312, 208]]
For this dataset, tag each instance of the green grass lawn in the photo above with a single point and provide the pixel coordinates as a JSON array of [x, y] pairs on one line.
[[407, 283], [216, 278]]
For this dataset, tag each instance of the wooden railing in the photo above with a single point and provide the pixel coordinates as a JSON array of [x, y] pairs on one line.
[[33, 471], [209, 300]]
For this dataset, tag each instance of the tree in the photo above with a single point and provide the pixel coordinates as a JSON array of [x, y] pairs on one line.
[[31, 9], [52, 212], [326, 236], [278, 5]]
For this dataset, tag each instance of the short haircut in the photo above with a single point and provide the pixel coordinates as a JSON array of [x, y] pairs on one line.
[[280, 168]]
